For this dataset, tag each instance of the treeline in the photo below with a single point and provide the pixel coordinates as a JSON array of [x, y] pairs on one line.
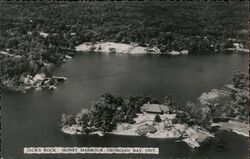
[[43, 32]]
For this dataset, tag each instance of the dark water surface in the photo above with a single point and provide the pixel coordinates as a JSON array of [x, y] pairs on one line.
[[31, 118]]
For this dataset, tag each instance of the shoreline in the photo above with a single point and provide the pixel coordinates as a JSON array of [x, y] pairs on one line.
[[110, 47], [193, 143], [145, 126], [234, 126], [37, 82], [134, 48], [191, 139]]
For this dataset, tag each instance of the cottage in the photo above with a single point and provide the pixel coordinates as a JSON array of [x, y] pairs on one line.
[[155, 108], [165, 109]]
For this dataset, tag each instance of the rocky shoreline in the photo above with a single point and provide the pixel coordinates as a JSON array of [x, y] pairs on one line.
[[144, 125], [104, 47], [194, 136], [240, 128], [37, 82], [134, 48]]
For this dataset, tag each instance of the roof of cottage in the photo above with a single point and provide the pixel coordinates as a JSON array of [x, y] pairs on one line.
[[155, 108]]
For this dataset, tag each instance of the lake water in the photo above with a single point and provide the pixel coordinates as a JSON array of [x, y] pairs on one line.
[[31, 119]]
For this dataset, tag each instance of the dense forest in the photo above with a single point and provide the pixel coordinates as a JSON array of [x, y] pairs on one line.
[[230, 102], [36, 36]]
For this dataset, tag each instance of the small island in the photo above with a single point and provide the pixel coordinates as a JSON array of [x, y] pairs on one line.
[[194, 123]]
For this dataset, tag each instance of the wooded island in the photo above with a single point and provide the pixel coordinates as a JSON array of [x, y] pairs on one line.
[[193, 123]]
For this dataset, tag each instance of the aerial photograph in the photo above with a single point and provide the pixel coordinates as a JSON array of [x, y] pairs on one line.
[[124, 79]]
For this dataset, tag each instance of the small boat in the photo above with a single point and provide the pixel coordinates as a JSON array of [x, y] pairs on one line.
[[59, 78], [178, 141]]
